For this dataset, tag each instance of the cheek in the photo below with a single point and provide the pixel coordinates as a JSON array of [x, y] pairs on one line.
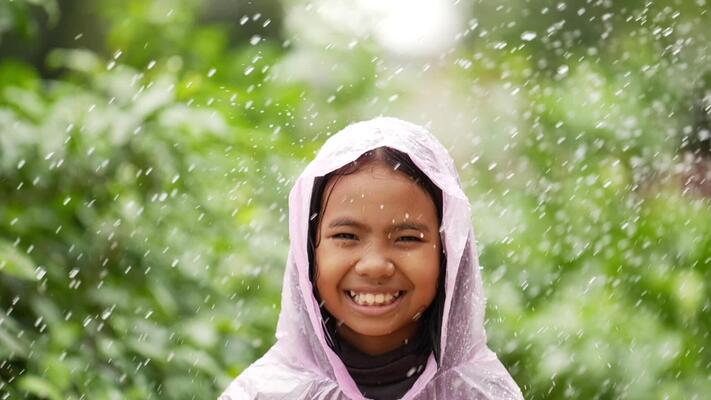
[[323, 275], [427, 271], [330, 268], [321, 285], [319, 271]]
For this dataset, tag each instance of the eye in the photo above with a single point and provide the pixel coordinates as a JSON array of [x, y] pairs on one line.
[[344, 236], [410, 238]]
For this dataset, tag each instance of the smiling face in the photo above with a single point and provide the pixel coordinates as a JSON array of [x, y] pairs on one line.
[[378, 256]]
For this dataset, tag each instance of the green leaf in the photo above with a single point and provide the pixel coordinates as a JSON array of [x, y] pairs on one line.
[[50, 7], [15, 73], [12, 344], [14, 263], [40, 387]]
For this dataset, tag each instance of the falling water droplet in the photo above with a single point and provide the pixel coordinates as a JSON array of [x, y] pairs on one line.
[[528, 36]]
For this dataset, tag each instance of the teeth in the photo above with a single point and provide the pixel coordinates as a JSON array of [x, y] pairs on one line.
[[370, 299]]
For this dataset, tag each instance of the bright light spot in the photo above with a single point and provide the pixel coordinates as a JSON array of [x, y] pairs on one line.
[[528, 36], [419, 27], [406, 27]]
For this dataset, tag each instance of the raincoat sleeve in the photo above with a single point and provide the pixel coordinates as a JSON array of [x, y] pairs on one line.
[[272, 378]]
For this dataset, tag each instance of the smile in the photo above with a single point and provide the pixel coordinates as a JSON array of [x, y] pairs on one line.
[[374, 299]]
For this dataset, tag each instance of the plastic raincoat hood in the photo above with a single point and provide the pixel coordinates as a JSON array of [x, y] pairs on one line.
[[300, 365]]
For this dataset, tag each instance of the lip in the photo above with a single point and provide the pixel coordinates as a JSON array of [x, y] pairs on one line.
[[374, 311]]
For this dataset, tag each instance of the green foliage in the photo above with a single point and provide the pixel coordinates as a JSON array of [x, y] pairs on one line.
[[143, 194], [18, 16], [138, 238]]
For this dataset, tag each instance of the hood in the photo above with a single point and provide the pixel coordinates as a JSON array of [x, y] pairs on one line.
[[300, 327]]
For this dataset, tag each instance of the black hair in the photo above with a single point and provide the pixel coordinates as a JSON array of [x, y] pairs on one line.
[[432, 317]]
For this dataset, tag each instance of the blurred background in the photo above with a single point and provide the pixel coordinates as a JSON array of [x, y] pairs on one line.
[[147, 148]]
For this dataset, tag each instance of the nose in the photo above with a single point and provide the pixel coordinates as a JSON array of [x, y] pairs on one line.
[[375, 264]]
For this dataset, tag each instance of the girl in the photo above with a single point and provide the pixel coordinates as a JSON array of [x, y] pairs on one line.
[[382, 296]]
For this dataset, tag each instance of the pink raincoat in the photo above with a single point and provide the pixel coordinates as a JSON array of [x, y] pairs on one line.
[[301, 365]]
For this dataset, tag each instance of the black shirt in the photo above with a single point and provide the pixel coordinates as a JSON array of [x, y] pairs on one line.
[[389, 375]]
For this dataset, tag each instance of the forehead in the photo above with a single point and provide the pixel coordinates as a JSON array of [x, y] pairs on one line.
[[376, 187]]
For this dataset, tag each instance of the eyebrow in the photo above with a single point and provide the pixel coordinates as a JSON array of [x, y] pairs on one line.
[[345, 221], [403, 226]]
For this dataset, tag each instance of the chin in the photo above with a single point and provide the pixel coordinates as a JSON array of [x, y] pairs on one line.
[[376, 329], [369, 329], [374, 332]]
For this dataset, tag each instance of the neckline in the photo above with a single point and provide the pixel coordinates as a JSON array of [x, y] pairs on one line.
[[401, 364]]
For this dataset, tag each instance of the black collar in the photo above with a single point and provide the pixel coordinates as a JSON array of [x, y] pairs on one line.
[[387, 375]]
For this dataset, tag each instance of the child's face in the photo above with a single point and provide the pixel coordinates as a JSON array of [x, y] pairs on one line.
[[378, 256]]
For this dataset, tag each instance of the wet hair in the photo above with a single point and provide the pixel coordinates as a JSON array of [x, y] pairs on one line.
[[399, 161]]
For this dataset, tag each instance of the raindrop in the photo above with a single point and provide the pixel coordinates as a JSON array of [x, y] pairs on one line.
[[528, 36], [107, 313], [255, 40], [464, 63], [211, 72]]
